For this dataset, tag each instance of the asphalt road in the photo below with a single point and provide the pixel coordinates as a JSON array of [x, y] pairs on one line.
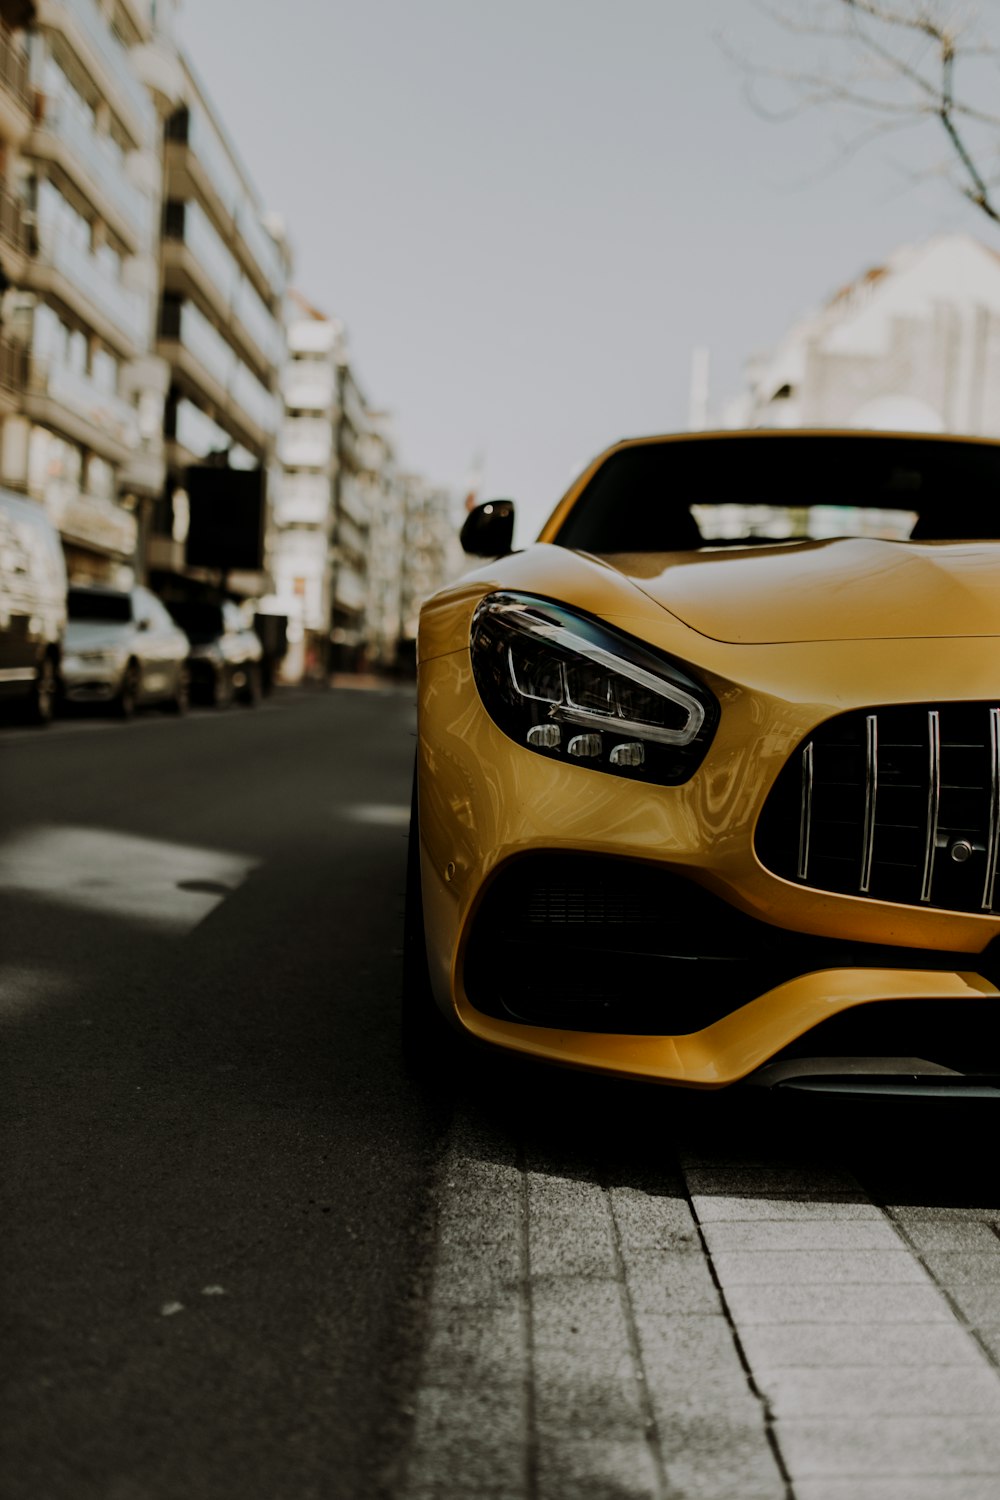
[[215, 1207]]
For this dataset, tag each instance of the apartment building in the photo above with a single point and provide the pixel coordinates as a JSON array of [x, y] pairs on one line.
[[334, 454], [912, 344], [78, 243], [223, 273]]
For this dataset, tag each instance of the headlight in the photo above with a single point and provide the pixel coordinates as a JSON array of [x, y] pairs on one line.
[[574, 689], [110, 656]]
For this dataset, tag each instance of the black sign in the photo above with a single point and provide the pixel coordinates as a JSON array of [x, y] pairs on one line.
[[226, 528]]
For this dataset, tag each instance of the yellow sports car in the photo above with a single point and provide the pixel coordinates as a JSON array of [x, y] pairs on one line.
[[708, 778]]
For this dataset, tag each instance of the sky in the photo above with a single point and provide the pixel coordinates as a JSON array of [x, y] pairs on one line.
[[529, 214]]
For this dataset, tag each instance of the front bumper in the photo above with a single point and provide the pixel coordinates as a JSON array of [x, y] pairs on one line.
[[486, 803], [93, 681]]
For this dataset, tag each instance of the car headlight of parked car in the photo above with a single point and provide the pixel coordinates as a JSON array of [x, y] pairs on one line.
[[573, 689], [107, 656]]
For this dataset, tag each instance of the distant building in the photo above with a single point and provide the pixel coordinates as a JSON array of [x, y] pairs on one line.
[[79, 212], [357, 543], [913, 345], [223, 273], [304, 505]]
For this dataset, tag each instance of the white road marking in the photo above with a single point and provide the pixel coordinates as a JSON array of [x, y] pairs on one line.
[[152, 882], [386, 815]]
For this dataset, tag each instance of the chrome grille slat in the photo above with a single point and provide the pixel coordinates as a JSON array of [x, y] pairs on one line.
[[871, 796], [993, 846], [805, 815], [933, 800]]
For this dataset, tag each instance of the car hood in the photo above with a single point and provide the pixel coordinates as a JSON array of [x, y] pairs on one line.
[[96, 635], [847, 589]]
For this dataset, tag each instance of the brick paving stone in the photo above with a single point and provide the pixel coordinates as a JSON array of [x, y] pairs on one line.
[[827, 1209], [863, 1234], [444, 1458], [908, 1487], [678, 1284], [764, 1180], [568, 1403], [979, 1304], [890, 1445], [989, 1336], [646, 1222], [569, 1469], [952, 1266], [936, 1234], [843, 1303], [719, 1456], [476, 1274], [579, 1312], [475, 1344], [847, 1391], [825, 1345], [802, 1267], [686, 1344], [569, 1244]]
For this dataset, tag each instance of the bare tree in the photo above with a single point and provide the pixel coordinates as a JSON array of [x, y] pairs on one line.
[[891, 66]]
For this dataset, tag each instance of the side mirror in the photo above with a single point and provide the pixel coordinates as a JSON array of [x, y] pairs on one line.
[[489, 529], [143, 624]]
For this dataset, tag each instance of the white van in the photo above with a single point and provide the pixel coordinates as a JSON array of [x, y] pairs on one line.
[[32, 606]]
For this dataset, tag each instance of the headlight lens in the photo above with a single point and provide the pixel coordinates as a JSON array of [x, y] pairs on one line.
[[574, 689], [108, 656]]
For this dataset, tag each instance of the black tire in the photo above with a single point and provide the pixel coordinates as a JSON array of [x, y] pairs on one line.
[[128, 694], [42, 698], [251, 691], [181, 701], [222, 689], [429, 1044]]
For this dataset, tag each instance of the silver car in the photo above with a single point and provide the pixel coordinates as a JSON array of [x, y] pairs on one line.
[[123, 649]]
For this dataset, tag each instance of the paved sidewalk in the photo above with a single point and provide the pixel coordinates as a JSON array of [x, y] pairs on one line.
[[734, 1330]]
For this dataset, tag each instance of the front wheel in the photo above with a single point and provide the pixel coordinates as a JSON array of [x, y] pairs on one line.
[[250, 694], [128, 693], [428, 1042], [42, 700], [181, 700]]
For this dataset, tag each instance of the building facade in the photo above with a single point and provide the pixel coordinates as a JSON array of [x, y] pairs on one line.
[[223, 273], [358, 543], [912, 345], [83, 434]]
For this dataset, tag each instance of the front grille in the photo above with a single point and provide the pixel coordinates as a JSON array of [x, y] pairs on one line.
[[894, 804]]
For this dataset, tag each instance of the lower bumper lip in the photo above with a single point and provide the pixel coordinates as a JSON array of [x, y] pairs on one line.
[[735, 1047]]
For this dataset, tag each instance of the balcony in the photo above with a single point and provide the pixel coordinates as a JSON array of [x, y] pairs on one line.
[[15, 92], [105, 59], [306, 443], [303, 500], [71, 277], [13, 373], [14, 237], [66, 139], [92, 522], [68, 402], [308, 386], [210, 373]]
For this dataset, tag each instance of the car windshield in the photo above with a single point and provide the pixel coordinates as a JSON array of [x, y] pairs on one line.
[[200, 622], [99, 604], [723, 492]]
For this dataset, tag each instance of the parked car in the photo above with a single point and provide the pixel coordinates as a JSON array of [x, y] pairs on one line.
[[226, 654], [32, 607], [708, 780], [123, 650]]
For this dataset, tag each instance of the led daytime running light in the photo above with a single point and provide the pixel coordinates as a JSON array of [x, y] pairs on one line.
[[575, 713]]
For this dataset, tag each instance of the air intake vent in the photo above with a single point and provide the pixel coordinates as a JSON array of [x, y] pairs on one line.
[[894, 804]]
